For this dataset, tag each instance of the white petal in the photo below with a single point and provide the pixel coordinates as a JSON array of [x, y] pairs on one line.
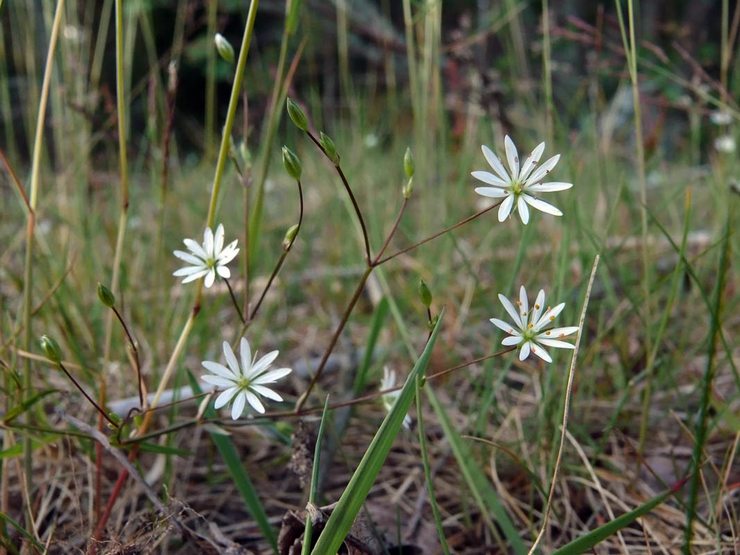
[[223, 271], [189, 258], [493, 192], [190, 270], [560, 332], [219, 369], [488, 177], [225, 397], [521, 207], [512, 157], [266, 392], [550, 187], [208, 242], [549, 315], [197, 275], [195, 248], [555, 343], [541, 205], [231, 359], [238, 407], [245, 353], [539, 306], [531, 161], [504, 326], [523, 306], [210, 278], [505, 209], [540, 352], [542, 171], [509, 307], [255, 402], [217, 380], [272, 376], [524, 352], [512, 340], [263, 363], [228, 254], [495, 163], [219, 239]]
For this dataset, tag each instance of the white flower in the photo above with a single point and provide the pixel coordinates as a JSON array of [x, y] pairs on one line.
[[529, 333], [516, 187], [244, 383], [207, 260], [725, 143], [720, 117], [389, 399]]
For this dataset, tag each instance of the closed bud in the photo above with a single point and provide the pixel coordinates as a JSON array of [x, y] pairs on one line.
[[408, 163], [51, 349], [328, 145], [106, 295], [425, 294], [408, 188], [224, 48], [296, 115], [290, 237], [292, 163]]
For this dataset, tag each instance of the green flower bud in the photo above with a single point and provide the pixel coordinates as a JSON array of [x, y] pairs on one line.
[[408, 163], [106, 295], [328, 145], [296, 115], [224, 48], [408, 188], [425, 294], [290, 237], [292, 163], [51, 349]]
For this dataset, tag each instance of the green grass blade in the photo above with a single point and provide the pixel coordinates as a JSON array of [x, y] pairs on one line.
[[240, 477], [306, 549], [29, 537], [354, 495], [375, 327], [484, 494], [588, 541]]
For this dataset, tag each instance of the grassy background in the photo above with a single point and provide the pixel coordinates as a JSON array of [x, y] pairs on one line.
[[648, 352]]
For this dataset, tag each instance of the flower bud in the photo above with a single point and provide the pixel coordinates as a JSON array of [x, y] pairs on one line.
[[106, 295], [425, 294], [328, 145], [408, 188], [290, 237], [224, 48], [296, 115], [51, 349], [408, 163], [292, 163]]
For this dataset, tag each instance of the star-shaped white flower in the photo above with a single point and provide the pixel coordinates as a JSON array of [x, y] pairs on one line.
[[517, 185], [209, 259], [246, 382], [389, 399], [529, 332]]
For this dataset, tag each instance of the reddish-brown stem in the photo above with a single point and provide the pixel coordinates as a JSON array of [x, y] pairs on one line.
[[392, 232]]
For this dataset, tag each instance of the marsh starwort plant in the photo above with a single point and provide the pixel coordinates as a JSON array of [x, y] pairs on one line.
[[208, 259], [529, 332], [389, 399], [246, 382], [517, 185]]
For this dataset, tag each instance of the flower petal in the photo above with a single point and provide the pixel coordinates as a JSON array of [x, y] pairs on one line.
[[542, 171], [210, 278], [219, 369], [493, 192], [531, 161], [190, 270], [255, 402], [266, 392], [509, 307], [245, 353], [521, 207], [240, 402], [539, 306], [219, 239], [512, 157], [189, 258], [488, 177], [223, 271], [225, 397], [195, 248], [549, 187], [505, 209], [272, 376], [555, 343], [524, 352], [263, 363], [549, 315], [560, 332], [541, 205], [495, 163], [231, 359], [504, 326], [217, 380], [512, 340], [197, 275], [540, 352], [208, 242], [523, 306]]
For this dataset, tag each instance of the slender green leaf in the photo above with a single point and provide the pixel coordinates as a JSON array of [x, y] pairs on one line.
[[19, 409], [354, 495], [164, 449], [375, 327], [588, 541], [18, 526], [314, 480]]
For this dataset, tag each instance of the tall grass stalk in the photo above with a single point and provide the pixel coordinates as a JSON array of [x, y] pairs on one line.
[[547, 70], [210, 122], [30, 228], [630, 48]]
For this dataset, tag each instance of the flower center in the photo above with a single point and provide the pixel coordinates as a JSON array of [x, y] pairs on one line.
[[516, 188], [243, 383]]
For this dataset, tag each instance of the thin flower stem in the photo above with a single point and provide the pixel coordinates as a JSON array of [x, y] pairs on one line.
[[235, 301], [324, 359], [358, 212], [435, 235], [90, 399], [392, 232], [135, 352]]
